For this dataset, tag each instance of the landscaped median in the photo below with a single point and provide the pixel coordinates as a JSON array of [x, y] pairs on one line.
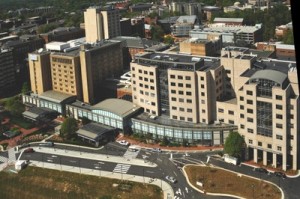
[[218, 181]]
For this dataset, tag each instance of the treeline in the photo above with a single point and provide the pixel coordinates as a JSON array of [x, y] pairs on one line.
[[276, 16]]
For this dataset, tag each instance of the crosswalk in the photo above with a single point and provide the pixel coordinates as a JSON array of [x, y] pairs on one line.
[[121, 168], [11, 155], [131, 154]]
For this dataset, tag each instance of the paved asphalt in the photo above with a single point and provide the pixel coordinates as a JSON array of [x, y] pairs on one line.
[[165, 167]]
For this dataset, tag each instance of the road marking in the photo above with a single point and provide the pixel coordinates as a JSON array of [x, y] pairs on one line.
[[50, 160], [159, 159], [150, 172], [174, 173], [121, 168], [73, 161], [54, 156], [101, 162], [97, 167]]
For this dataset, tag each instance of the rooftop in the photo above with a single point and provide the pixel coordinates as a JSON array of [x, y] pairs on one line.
[[219, 19], [192, 19], [136, 42], [119, 107], [55, 96], [93, 130]]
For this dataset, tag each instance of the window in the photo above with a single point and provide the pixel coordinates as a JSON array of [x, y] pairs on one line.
[[279, 126], [151, 73], [202, 94], [249, 101], [152, 80], [249, 119], [181, 118], [188, 85], [202, 85], [140, 78], [133, 68], [241, 98], [203, 111], [174, 117], [180, 77], [250, 141], [230, 112], [140, 71], [187, 78], [278, 97], [190, 119], [242, 116], [259, 143], [249, 110], [174, 108], [269, 146], [279, 148], [189, 93], [180, 92], [228, 71], [279, 137], [189, 110], [250, 130], [181, 109], [278, 116], [242, 126], [230, 121], [189, 101], [146, 72], [279, 107], [220, 110], [242, 107], [141, 92], [180, 85], [173, 99], [173, 91], [203, 120], [141, 85], [201, 78], [249, 93], [181, 100], [172, 76], [145, 79]]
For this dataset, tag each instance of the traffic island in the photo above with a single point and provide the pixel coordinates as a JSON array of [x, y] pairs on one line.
[[217, 181]]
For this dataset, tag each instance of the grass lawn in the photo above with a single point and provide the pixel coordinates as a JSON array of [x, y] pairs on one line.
[[220, 181], [34, 182]]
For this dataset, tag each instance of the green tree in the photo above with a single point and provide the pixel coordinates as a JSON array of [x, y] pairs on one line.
[[156, 32], [46, 28], [68, 128], [234, 144], [288, 37], [15, 106], [25, 88], [165, 141], [168, 39]]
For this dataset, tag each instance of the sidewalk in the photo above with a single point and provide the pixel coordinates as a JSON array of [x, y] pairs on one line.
[[93, 156], [167, 189], [166, 148]]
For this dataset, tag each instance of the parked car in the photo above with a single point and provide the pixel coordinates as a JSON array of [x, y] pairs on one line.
[[29, 150], [156, 150], [123, 142], [279, 174], [171, 179]]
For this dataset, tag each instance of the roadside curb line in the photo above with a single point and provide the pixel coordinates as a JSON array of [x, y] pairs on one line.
[[220, 194]]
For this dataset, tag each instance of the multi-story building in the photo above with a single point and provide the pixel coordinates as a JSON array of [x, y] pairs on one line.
[[184, 25], [231, 34], [185, 8], [260, 97], [101, 23], [98, 62], [40, 71], [7, 71], [202, 47], [63, 34]]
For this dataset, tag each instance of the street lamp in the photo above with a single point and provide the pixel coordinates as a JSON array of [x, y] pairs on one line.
[[252, 185]]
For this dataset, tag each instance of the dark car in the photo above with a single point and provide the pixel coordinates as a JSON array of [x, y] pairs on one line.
[[279, 174], [29, 150]]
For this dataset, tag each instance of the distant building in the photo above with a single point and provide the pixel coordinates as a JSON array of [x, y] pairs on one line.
[[208, 11], [185, 8], [7, 71], [202, 47], [140, 7], [282, 51], [125, 24], [280, 31], [101, 23], [63, 34], [183, 25], [231, 34], [229, 21]]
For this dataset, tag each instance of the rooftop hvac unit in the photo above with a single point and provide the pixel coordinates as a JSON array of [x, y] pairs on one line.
[[196, 59]]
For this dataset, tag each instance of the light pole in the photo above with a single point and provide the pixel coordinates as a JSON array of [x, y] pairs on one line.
[[144, 175], [252, 185]]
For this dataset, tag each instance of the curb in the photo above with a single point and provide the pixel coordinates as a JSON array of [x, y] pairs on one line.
[[220, 194]]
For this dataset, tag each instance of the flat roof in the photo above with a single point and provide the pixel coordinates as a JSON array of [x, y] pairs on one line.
[[273, 75], [35, 112], [93, 130], [119, 107], [220, 19], [55, 96]]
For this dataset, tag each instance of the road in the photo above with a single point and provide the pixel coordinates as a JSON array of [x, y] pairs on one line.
[[165, 166]]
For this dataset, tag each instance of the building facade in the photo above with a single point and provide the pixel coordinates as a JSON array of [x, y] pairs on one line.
[[40, 72], [99, 62], [101, 24], [7, 70]]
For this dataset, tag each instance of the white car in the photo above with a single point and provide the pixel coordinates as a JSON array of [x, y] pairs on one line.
[[171, 179], [123, 142]]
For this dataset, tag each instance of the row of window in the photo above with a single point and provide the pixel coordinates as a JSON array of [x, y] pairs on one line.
[[188, 93], [181, 85], [141, 71], [174, 99], [279, 148], [181, 109], [175, 117]]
